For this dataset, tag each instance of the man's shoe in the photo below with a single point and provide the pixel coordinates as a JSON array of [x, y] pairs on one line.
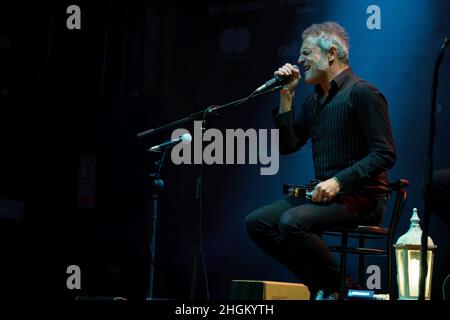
[[324, 295]]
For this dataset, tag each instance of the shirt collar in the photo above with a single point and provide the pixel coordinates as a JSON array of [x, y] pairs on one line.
[[338, 81], [342, 77]]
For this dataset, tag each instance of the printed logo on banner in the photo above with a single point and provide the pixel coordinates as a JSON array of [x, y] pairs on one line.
[[216, 8], [237, 7], [301, 6]]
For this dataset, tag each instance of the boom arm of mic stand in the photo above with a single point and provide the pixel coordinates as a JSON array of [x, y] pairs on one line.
[[149, 132], [200, 114]]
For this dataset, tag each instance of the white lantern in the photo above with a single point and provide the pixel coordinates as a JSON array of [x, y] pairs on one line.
[[408, 256]]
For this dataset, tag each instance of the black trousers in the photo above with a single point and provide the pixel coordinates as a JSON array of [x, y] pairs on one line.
[[289, 231]]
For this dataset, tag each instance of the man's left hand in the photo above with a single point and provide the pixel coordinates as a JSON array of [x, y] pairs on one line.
[[326, 190]]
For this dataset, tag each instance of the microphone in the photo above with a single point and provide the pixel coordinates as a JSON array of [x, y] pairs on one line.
[[276, 81], [185, 138]]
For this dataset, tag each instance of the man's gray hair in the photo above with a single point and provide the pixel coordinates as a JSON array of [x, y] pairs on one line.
[[330, 34]]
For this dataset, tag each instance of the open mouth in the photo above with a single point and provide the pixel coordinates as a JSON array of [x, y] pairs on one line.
[[306, 68]]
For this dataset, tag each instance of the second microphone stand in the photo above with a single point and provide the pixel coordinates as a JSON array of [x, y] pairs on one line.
[[197, 243], [429, 172], [157, 186]]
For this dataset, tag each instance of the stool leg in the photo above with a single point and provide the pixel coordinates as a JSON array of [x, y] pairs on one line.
[[343, 266], [362, 264]]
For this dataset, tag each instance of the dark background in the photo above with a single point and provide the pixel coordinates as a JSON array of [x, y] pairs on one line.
[[134, 65]]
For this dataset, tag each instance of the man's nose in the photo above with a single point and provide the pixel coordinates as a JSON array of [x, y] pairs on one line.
[[301, 59]]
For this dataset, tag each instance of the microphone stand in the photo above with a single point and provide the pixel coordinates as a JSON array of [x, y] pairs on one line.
[[157, 186], [429, 174], [197, 246], [197, 243]]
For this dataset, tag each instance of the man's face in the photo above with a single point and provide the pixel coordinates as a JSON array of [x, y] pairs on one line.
[[313, 61]]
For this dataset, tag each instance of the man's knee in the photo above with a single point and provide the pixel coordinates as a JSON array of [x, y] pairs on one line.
[[292, 225], [251, 222], [262, 219]]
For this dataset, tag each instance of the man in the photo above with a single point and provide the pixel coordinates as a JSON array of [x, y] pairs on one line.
[[347, 120]]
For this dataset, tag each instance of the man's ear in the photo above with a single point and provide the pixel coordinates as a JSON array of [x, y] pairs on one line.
[[332, 54]]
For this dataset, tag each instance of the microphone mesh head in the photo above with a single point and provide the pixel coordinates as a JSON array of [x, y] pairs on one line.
[[186, 138]]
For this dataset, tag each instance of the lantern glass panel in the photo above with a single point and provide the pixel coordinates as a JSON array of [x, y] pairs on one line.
[[401, 271], [413, 272]]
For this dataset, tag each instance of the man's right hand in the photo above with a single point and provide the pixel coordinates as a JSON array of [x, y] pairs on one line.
[[288, 91]]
